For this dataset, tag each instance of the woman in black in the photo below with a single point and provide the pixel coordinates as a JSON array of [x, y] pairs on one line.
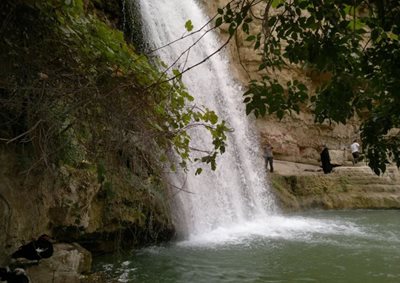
[[326, 160]]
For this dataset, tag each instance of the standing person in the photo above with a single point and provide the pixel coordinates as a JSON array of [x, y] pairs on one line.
[[269, 157], [326, 160], [355, 151]]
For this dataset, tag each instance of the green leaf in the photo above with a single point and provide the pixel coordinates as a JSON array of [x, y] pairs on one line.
[[249, 108], [276, 3], [245, 28], [303, 4], [262, 66], [189, 26], [176, 72], [375, 34], [251, 38], [218, 22], [272, 21], [247, 100]]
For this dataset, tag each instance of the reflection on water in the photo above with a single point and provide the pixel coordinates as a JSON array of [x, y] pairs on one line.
[[345, 246]]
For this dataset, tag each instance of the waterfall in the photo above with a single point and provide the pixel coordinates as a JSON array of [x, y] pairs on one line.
[[237, 192]]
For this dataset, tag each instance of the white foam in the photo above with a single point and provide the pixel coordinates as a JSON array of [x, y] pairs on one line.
[[274, 227]]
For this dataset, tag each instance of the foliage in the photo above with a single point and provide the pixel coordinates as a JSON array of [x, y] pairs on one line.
[[269, 96], [74, 94], [89, 91], [356, 43], [189, 25]]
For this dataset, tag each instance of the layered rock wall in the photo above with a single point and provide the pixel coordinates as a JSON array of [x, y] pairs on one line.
[[298, 181], [296, 137], [71, 205], [346, 188]]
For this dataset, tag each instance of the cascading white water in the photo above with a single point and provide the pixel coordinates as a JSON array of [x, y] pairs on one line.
[[237, 192]]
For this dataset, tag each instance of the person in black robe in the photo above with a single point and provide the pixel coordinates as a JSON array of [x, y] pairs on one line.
[[326, 160], [18, 275], [36, 250]]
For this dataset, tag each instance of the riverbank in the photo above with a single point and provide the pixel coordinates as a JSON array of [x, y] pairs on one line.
[[302, 186]]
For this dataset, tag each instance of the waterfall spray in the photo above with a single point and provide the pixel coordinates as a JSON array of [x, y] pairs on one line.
[[237, 191]]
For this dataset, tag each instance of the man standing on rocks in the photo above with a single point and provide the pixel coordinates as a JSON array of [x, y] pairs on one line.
[[355, 151], [269, 157]]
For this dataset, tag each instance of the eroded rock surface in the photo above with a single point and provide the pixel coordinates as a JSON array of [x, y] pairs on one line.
[[298, 187]]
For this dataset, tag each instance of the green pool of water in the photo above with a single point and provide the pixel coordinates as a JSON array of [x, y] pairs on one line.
[[318, 246]]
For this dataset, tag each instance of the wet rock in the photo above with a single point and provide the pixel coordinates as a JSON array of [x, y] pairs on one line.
[[67, 265]]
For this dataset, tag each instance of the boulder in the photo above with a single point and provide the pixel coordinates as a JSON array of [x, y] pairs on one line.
[[67, 265], [338, 157]]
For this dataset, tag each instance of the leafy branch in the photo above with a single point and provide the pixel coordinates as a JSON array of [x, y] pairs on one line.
[[354, 43]]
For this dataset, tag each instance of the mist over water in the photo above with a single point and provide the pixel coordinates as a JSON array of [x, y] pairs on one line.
[[275, 228], [237, 192]]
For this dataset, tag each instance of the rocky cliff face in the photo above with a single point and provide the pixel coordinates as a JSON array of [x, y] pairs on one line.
[[76, 178], [71, 205], [298, 181], [296, 137], [300, 187]]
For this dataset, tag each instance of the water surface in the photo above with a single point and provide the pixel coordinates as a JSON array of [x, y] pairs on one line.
[[317, 246]]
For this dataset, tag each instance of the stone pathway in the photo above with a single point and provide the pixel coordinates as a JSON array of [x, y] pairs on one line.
[[287, 168]]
